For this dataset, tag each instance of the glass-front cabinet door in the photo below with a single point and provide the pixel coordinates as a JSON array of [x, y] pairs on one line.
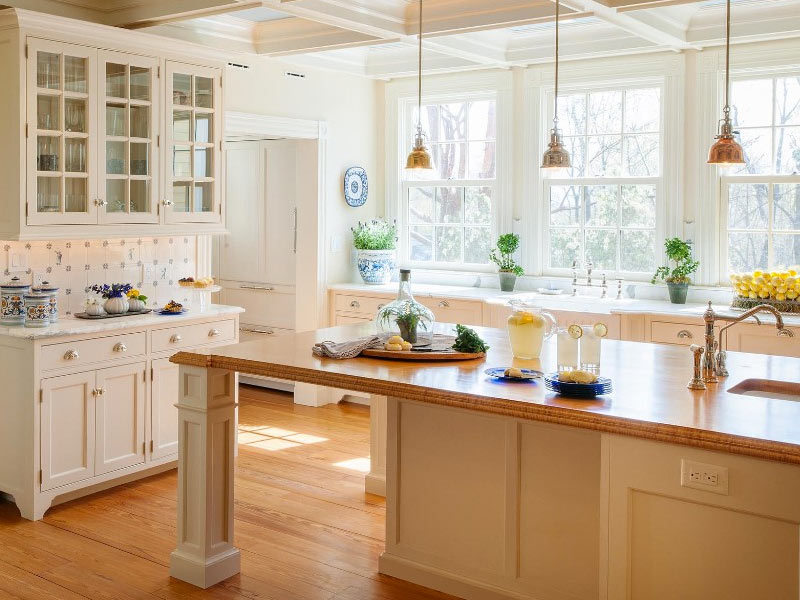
[[192, 190], [61, 126], [127, 143]]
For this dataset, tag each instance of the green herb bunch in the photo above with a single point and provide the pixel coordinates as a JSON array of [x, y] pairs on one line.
[[679, 252], [502, 255], [468, 341], [375, 235]]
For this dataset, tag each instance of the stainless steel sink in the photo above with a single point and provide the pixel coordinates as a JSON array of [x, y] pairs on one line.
[[767, 388]]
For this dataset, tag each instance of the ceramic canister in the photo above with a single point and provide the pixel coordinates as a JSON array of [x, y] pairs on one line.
[[51, 291], [12, 311], [37, 310]]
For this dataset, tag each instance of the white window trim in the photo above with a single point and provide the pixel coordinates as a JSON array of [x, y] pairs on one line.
[[400, 100]]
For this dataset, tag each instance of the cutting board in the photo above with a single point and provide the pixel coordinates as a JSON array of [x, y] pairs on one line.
[[443, 354]]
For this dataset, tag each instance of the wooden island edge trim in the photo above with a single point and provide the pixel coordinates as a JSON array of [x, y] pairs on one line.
[[559, 415]]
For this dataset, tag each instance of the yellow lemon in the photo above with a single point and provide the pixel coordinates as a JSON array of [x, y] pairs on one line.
[[781, 289], [758, 273], [780, 297], [747, 277], [776, 280], [752, 295], [791, 294], [762, 293], [793, 272]]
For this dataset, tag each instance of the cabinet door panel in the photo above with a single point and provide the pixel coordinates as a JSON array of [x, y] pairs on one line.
[[448, 310], [280, 157], [67, 429], [164, 415], [62, 131], [120, 418]]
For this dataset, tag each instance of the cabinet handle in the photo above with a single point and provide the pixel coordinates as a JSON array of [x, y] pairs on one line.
[[214, 333], [683, 334], [444, 304], [175, 339], [95, 392], [71, 355], [120, 347], [380, 306], [355, 304], [98, 392], [249, 330], [256, 287], [294, 212], [166, 202], [100, 202]]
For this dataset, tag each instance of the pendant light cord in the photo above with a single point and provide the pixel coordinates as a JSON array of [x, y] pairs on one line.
[[727, 108], [555, 113], [419, 74]]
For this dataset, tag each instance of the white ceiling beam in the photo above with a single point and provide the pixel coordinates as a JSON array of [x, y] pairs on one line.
[[286, 37], [57, 8], [338, 16], [467, 49], [158, 12]]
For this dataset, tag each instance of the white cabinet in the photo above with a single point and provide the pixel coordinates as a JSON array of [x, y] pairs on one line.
[[119, 417], [193, 140], [163, 414], [67, 429]]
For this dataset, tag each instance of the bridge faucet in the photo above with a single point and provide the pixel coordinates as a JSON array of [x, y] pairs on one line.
[[714, 356]]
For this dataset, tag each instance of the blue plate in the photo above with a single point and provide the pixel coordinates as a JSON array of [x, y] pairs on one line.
[[356, 186], [167, 313], [578, 390], [498, 373]]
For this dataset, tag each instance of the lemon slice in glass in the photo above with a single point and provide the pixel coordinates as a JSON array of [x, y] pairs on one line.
[[600, 330], [575, 331]]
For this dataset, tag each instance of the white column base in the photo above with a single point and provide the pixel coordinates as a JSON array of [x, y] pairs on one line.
[[206, 573], [375, 481], [307, 394], [375, 484]]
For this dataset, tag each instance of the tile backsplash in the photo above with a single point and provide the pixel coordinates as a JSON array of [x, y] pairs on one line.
[[153, 265]]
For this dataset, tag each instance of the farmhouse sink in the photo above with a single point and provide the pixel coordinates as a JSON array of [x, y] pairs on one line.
[[767, 388]]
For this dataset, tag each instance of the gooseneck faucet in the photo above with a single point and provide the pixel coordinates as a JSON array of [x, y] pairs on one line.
[[714, 354]]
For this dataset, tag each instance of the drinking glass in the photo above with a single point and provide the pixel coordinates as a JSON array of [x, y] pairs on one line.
[[590, 349], [567, 354]]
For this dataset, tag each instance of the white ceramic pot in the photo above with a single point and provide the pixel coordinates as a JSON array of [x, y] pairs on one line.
[[95, 310], [116, 306], [376, 266], [136, 305]]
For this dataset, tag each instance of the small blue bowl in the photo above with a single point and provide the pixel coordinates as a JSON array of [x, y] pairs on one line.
[[578, 390], [499, 374]]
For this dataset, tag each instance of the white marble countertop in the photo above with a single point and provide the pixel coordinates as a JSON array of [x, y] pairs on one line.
[[562, 302], [67, 326]]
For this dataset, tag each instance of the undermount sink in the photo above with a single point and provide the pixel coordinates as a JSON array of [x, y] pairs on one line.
[[767, 388]]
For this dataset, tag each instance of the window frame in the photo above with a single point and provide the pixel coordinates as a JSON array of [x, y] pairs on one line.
[[658, 181], [406, 129]]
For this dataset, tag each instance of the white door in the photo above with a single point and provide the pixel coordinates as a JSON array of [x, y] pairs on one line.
[[128, 156], [62, 134], [164, 415], [67, 429], [120, 417]]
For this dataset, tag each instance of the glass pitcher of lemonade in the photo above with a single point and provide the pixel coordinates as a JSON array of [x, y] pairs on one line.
[[528, 327]]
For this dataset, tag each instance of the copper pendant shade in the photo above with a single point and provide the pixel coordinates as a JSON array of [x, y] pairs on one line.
[[419, 160], [726, 150], [556, 155]]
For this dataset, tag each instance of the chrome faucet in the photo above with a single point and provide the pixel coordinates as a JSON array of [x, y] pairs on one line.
[[714, 355]]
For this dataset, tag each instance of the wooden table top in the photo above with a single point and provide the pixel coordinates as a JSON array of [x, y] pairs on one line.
[[650, 398]]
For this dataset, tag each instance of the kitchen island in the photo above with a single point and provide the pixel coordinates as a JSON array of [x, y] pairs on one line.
[[508, 491]]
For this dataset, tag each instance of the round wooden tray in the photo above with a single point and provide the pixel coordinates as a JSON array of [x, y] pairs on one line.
[[415, 355]]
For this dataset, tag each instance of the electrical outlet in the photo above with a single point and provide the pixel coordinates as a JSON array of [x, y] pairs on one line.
[[702, 476], [17, 262]]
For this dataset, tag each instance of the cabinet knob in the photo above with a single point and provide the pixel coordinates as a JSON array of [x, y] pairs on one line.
[[214, 333], [71, 355], [444, 304], [98, 392], [683, 334], [355, 304], [101, 202], [102, 391], [120, 347], [95, 392], [380, 306], [175, 338], [166, 202]]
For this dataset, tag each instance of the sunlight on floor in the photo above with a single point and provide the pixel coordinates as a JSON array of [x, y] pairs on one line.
[[270, 438], [355, 464]]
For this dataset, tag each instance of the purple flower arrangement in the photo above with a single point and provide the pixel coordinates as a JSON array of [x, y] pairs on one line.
[[115, 290]]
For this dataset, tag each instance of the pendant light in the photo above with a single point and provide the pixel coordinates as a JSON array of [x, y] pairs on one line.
[[556, 156], [726, 150], [419, 164]]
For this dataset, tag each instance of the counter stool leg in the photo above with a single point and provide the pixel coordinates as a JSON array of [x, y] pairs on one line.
[[206, 436]]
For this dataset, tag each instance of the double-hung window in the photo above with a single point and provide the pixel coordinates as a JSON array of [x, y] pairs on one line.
[[761, 199], [448, 222], [604, 209]]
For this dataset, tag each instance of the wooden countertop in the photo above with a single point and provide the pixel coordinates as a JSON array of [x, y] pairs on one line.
[[650, 398]]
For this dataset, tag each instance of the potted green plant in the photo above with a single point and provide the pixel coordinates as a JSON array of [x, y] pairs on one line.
[[408, 316], [375, 242], [502, 256], [677, 278]]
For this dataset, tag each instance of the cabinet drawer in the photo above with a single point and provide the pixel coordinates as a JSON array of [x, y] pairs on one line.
[[248, 332], [263, 306], [84, 352], [350, 319], [448, 310], [763, 339], [364, 305], [676, 333], [185, 336]]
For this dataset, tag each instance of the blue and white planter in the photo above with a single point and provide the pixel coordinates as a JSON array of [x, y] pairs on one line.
[[376, 266]]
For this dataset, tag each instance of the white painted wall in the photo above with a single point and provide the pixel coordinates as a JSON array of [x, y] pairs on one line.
[[352, 108]]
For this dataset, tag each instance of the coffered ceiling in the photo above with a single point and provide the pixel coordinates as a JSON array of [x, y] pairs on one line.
[[377, 38]]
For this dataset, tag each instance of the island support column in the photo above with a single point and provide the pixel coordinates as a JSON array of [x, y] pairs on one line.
[[375, 480], [206, 439]]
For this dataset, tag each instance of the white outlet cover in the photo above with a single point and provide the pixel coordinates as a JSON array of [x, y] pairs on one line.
[[17, 262], [695, 474]]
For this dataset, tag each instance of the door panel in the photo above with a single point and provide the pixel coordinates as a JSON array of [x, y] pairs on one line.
[[164, 415], [120, 418], [67, 429]]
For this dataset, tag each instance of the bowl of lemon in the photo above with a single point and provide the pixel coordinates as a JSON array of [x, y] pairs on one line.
[[780, 289]]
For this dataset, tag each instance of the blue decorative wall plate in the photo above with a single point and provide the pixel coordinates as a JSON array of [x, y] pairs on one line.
[[355, 186]]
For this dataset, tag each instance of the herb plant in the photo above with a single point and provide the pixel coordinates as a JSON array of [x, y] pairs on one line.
[[502, 255], [407, 316], [467, 340], [375, 235], [115, 290], [679, 252]]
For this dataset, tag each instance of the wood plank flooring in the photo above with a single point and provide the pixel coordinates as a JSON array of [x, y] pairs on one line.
[[306, 529]]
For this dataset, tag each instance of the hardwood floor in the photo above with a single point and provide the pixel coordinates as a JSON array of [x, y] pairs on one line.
[[306, 529]]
